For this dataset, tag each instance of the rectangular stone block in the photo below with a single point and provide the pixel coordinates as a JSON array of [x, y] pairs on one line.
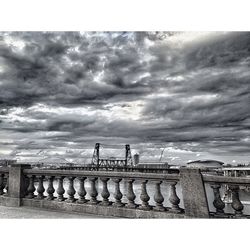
[[17, 183], [109, 211], [194, 194]]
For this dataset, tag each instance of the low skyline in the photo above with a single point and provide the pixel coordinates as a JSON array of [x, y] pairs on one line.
[[184, 95]]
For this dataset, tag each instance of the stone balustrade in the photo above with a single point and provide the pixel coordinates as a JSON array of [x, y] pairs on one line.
[[217, 183], [80, 187], [122, 194]]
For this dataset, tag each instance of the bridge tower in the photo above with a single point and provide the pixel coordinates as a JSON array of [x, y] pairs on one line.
[[128, 156], [96, 156]]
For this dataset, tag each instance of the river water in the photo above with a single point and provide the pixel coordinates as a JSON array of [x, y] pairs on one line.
[[165, 189]]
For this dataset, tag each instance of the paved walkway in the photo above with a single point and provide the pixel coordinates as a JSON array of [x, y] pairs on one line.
[[37, 213]]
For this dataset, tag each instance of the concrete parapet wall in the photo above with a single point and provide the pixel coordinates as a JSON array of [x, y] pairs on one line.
[[99, 209], [90, 209]]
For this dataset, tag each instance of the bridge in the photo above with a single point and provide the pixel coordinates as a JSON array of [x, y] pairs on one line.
[[112, 163], [182, 194]]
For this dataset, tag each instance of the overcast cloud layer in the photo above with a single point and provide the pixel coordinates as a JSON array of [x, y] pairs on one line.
[[185, 95]]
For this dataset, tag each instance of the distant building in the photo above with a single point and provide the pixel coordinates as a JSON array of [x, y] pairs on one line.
[[149, 166], [152, 164], [136, 159], [205, 164]]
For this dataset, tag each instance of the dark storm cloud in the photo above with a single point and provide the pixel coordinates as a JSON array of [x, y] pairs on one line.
[[217, 99], [52, 68], [193, 96], [227, 51]]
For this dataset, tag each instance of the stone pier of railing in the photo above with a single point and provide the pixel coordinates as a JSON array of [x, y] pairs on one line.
[[119, 194]]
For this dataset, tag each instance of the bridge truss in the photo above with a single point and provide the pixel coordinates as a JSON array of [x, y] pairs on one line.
[[111, 162]]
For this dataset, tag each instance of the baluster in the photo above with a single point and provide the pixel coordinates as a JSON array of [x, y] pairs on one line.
[[236, 203], [50, 190], [105, 192], [60, 190], [227, 197], [81, 192], [130, 195], [31, 188], [1, 184], [7, 184], [40, 189], [158, 197], [117, 195], [218, 203], [144, 196], [93, 192], [174, 199], [71, 190]]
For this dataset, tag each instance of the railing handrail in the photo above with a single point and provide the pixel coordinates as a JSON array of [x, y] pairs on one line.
[[110, 174], [132, 169], [235, 168], [226, 179]]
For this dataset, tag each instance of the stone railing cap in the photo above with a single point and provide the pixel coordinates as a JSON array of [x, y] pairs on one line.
[[22, 165]]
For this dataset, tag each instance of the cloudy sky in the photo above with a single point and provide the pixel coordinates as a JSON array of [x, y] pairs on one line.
[[185, 95]]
